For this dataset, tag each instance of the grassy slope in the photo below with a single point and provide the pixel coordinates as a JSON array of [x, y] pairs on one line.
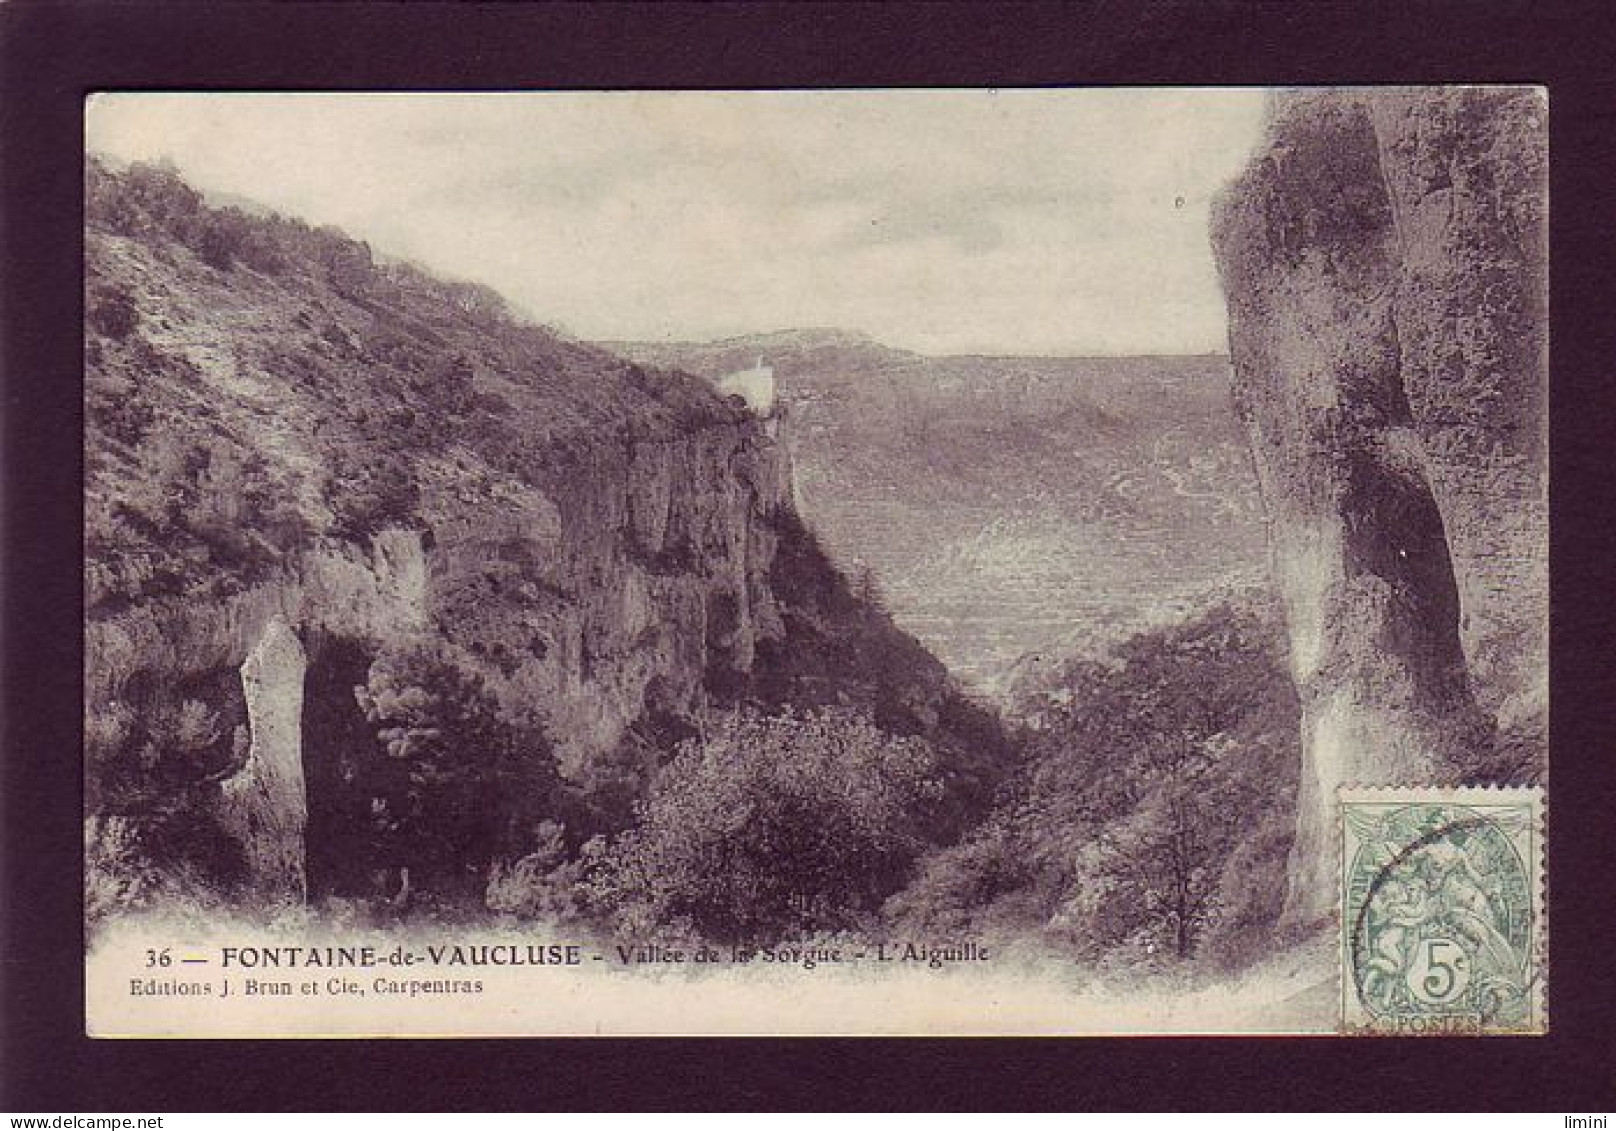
[[291, 363]]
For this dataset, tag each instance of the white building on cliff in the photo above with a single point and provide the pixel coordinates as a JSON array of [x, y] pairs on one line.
[[755, 386]]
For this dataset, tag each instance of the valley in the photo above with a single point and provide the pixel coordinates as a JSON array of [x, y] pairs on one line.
[[1010, 510]]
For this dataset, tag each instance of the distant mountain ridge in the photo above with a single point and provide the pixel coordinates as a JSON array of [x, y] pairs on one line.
[[1009, 507]]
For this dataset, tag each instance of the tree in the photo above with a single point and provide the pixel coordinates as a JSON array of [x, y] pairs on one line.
[[773, 827], [1154, 807], [1162, 864], [452, 780], [867, 590]]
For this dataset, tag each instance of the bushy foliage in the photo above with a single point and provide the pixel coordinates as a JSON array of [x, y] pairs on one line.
[[447, 388], [240, 510], [451, 779], [191, 511], [992, 884], [419, 780], [1153, 812], [171, 861], [368, 495], [145, 750], [129, 746], [348, 265], [217, 244], [545, 884], [772, 827], [146, 200], [125, 419], [113, 313]]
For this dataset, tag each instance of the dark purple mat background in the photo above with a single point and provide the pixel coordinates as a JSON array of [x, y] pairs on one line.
[[51, 54]]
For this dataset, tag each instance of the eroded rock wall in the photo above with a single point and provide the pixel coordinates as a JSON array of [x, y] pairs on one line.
[[634, 580], [1384, 262], [632, 583], [210, 696], [1465, 172], [263, 806]]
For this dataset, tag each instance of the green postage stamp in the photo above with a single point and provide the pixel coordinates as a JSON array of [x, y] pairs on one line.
[[1442, 911]]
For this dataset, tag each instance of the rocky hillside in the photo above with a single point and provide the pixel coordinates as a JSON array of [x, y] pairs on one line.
[[1385, 262], [1012, 510], [346, 521]]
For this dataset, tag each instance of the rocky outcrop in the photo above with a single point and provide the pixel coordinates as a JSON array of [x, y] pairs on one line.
[[634, 581], [221, 800], [1385, 264], [263, 806], [1013, 509], [335, 589], [633, 586]]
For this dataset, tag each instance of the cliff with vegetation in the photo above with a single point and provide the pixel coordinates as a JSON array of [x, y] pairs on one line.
[[1013, 510], [391, 595], [1384, 257]]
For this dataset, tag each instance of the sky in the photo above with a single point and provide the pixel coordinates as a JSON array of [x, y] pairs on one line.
[[1012, 222]]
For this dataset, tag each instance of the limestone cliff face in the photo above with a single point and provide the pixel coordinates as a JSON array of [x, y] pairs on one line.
[[263, 805], [1384, 260], [376, 566], [302, 463], [643, 580], [634, 585], [1128, 484]]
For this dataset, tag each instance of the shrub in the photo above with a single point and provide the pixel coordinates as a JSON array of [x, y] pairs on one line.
[[229, 236], [773, 827], [114, 314], [365, 497], [144, 200], [241, 508], [144, 754], [121, 413], [543, 884], [217, 243], [348, 264], [989, 885], [447, 389]]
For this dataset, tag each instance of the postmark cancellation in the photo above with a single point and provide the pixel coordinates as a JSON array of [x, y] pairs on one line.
[[1442, 911]]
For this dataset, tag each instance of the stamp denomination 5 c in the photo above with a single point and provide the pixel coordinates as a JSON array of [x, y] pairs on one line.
[[1442, 913]]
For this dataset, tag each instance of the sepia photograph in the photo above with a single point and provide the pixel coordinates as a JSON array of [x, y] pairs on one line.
[[909, 562]]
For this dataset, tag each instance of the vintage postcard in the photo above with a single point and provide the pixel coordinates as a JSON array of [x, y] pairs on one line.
[[892, 562]]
